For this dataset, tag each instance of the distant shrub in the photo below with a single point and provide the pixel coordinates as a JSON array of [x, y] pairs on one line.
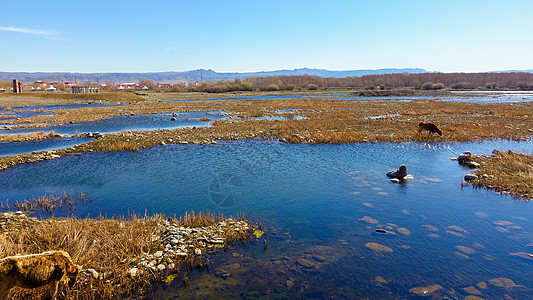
[[438, 86], [524, 85], [312, 87], [464, 86], [246, 86], [490, 85], [427, 86], [272, 87]]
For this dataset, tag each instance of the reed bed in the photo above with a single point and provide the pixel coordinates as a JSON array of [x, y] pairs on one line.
[[118, 146], [108, 246], [507, 171], [33, 136], [47, 203]]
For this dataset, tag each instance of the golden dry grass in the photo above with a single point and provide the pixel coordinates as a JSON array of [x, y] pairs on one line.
[[111, 246], [507, 171], [33, 136], [117, 146]]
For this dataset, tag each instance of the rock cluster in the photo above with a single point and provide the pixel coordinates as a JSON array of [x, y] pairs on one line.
[[467, 159], [96, 135], [179, 243], [17, 218]]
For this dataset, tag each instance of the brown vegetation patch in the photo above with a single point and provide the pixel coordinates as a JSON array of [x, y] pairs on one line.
[[33, 136], [507, 172], [109, 247]]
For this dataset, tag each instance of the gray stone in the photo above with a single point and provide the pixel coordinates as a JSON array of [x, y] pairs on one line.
[[133, 272]]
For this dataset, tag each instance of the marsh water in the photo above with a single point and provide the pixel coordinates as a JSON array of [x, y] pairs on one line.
[[320, 205], [142, 122], [7, 149]]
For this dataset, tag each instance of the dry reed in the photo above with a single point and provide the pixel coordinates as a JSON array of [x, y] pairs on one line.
[[109, 246], [33, 136], [47, 203], [117, 146], [508, 172]]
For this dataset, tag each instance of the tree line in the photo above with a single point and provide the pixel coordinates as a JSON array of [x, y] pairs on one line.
[[511, 80]]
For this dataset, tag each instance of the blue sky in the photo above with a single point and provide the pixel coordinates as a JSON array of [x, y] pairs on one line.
[[241, 36]]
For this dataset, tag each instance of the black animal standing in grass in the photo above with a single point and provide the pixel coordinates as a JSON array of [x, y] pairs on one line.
[[430, 127]]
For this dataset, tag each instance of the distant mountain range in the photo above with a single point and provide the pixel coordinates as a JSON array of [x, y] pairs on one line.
[[188, 76]]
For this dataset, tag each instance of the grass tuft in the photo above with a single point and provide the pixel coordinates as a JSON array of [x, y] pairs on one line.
[[507, 172]]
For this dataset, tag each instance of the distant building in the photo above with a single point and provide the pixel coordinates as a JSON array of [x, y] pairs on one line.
[[51, 89], [84, 89], [17, 86]]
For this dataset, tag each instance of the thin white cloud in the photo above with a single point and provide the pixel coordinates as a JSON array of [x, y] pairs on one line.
[[28, 30]]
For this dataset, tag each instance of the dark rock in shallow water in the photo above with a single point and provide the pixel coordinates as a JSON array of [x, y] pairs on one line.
[[400, 173], [470, 177]]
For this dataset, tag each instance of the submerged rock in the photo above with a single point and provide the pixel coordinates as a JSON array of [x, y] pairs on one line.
[[400, 173], [404, 231], [306, 263], [472, 290], [522, 254], [503, 282], [425, 291], [465, 249], [369, 220], [378, 247]]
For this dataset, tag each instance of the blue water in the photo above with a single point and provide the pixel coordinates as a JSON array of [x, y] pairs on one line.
[[311, 199], [143, 122], [16, 148], [482, 99]]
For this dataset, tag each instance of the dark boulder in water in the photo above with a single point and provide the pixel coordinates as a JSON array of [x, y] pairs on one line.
[[400, 173]]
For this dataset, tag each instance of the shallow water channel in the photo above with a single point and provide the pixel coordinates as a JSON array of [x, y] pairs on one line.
[[141, 122], [321, 205]]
